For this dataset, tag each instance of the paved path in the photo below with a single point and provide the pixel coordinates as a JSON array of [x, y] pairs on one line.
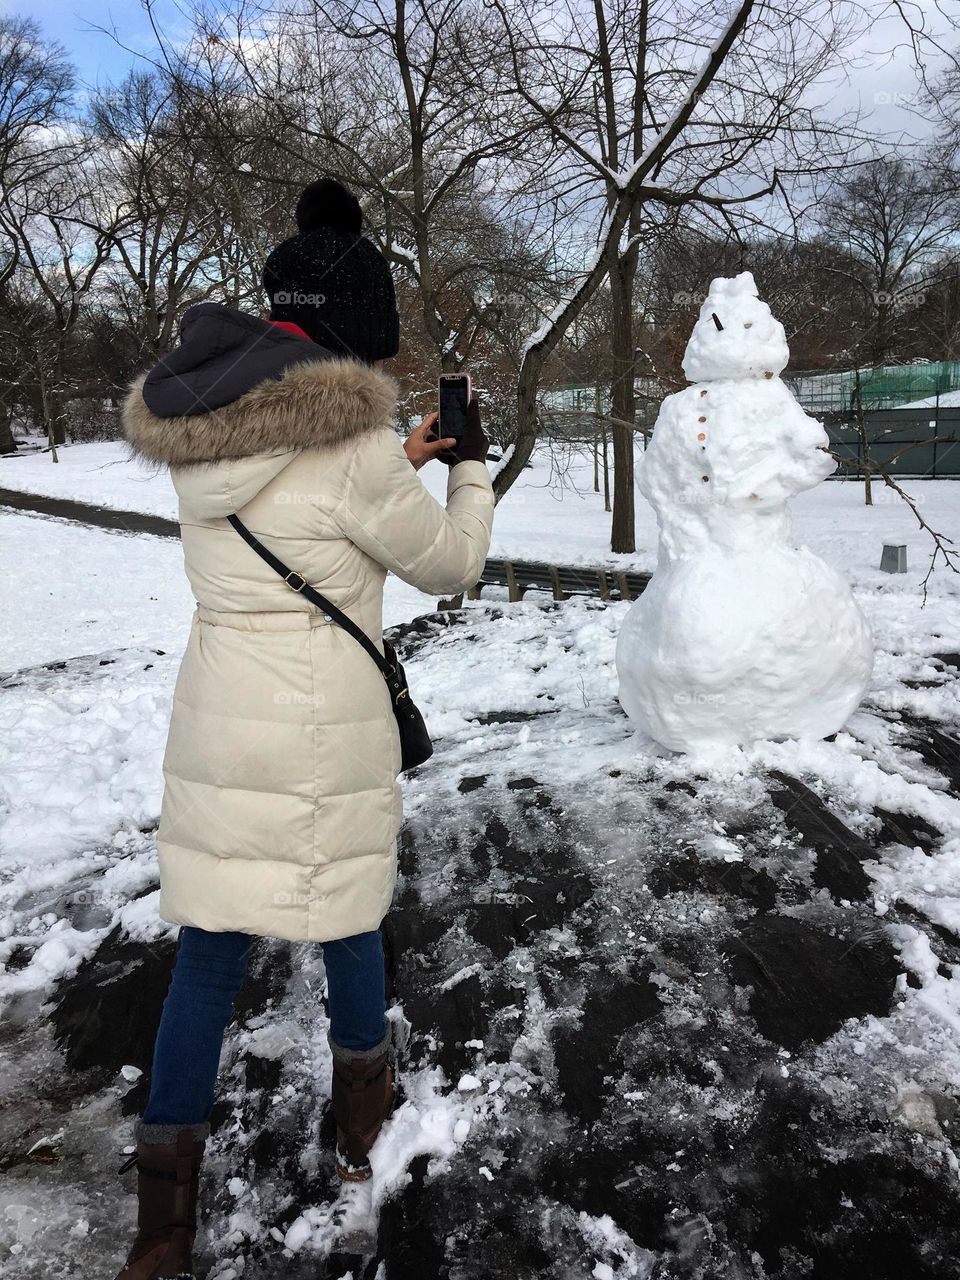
[[86, 513]]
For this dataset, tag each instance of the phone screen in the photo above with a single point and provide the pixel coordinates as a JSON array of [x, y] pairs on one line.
[[454, 397]]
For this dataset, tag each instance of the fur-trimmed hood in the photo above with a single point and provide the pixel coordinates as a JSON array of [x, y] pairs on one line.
[[237, 386], [291, 395], [321, 404]]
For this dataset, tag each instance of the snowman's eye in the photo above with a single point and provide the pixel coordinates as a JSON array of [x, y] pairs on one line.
[[748, 324]]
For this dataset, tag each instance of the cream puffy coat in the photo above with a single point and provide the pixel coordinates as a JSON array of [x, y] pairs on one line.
[[281, 807]]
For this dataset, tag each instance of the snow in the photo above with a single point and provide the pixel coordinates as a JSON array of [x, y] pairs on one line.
[[740, 634], [94, 587], [105, 474], [551, 514], [525, 697], [946, 400], [81, 756], [76, 590]]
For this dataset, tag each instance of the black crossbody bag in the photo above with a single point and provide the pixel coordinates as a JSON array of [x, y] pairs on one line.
[[415, 744]]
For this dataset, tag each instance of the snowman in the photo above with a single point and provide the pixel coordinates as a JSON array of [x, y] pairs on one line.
[[741, 634]]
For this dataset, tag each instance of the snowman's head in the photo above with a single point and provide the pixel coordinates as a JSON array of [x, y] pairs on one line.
[[735, 336]]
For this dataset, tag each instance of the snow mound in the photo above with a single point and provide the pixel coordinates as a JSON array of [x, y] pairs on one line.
[[737, 648]]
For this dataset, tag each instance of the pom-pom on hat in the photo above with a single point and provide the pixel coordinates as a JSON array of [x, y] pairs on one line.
[[332, 281], [325, 203]]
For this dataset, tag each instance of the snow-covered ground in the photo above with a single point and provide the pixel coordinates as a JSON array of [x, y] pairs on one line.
[[598, 1083], [552, 514], [71, 590], [104, 475]]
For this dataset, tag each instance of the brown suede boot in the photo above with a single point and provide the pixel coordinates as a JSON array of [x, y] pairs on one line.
[[168, 1171], [362, 1099]]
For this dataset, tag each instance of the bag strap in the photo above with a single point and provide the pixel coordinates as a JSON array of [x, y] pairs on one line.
[[296, 582]]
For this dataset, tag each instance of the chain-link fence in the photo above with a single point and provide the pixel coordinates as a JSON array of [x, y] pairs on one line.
[[887, 387], [919, 442]]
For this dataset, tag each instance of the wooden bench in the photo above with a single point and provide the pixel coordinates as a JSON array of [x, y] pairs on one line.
[[563, 581]]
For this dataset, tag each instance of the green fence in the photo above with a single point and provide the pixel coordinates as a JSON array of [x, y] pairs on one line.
[[918, 442], [820, 391], [888, 387]]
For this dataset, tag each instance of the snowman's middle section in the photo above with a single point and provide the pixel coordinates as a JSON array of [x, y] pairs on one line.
[[724, 458]]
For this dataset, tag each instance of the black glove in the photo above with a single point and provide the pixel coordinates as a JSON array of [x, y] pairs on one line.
[[473, 443]]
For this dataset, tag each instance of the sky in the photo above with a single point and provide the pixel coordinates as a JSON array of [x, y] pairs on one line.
[[97, 57], [878, 73]]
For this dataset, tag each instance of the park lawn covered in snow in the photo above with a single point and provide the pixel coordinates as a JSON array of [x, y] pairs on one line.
[[552, 514], [597, 1082], [98, 589], [71, 590], [102, 474]]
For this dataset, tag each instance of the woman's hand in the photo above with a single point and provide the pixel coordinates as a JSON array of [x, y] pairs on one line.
[[473, 444], [420, 446]]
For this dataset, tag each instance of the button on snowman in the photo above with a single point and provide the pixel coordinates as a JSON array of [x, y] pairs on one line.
[[740, 635]]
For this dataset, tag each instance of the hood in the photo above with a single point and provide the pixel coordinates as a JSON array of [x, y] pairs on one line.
[[225, 449], [222, 354]]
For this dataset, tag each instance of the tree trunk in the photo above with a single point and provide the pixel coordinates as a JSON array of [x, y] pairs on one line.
[[57, 417], [881, 332], [7, 442], [526, 436], [48, 420], [622, 408], [597, 428], [606, 473]]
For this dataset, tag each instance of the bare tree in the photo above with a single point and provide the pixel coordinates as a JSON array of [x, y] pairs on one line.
[[403, 125], [658, 111], [36, 82], [160, 200], [893, 218], [380, 95], [58, 262], [936, 319], [463, 124]]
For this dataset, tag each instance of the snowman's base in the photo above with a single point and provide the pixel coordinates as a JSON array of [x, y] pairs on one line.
[[729, 649]]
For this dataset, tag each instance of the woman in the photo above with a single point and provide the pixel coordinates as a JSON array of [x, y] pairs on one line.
[[281, 807]]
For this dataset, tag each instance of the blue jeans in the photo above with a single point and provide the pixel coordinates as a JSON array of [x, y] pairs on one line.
[[209, 971]]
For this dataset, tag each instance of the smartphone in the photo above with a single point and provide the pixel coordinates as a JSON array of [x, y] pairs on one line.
[[454, 395]]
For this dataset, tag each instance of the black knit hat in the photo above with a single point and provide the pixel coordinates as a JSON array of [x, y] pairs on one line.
[[333, 282]]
